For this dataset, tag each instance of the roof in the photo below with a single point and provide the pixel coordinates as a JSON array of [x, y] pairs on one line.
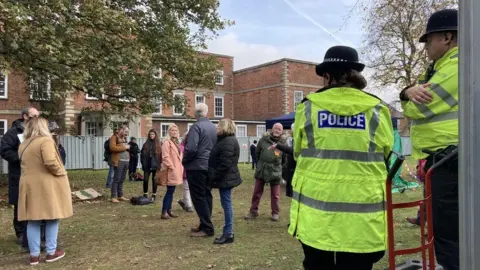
[[276, 62]]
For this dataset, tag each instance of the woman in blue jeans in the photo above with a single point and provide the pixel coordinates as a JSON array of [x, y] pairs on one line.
[[224, 174]]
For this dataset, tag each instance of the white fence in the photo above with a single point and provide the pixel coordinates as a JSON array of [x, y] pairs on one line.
[[86, 152]]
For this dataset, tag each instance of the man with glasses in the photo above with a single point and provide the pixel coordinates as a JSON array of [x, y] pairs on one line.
[[9, 151]]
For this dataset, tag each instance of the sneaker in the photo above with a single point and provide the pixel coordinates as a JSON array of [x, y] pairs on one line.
[[182, 204], [275, 217], [123, 199], [115, 200], [189, 209], [34, 260], [251, 216], [55, 256]]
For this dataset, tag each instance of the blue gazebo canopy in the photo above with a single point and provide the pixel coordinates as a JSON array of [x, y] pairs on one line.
[[287, 120]]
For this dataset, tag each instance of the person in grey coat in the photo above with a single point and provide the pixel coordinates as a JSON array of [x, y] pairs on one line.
[[201, 138]]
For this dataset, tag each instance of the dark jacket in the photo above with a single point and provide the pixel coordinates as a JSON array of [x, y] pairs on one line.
[[269, 162], [253, 151], [9, 152], [289, 168], [151, 153], [134, 150], [223, 163], [62, 152], [201, 138]]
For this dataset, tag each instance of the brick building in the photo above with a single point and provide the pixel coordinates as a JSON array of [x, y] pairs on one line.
[[249, 96]]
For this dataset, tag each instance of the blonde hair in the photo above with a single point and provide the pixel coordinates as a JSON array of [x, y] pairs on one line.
[[36, 127], [226, 127], [168, 137]]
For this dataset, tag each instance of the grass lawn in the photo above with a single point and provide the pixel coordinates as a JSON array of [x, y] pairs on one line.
[[102, 235]]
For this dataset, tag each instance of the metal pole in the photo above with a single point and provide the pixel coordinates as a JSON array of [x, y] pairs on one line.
[[469, 128]]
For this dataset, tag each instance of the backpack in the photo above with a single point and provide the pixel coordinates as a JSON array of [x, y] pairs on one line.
[[140, 200], [107, 154]]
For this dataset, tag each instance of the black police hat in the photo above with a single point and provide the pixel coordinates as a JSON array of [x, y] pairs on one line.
[[339, 57], [443, 20]]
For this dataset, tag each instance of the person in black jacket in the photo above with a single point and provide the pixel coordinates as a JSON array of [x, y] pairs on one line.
[[133, 162], [291, 164], [9, 151], [224, 174], [151, 158], [253, 150]]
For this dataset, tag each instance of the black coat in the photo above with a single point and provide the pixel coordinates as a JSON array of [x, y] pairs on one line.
[[223, 163], [134, 150], [289, 167], [9, 152], [200, 141]]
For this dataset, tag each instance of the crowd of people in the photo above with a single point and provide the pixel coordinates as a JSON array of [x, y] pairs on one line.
[[335, 168]]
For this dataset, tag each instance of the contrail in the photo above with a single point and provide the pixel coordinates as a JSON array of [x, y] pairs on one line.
[[310, 19]]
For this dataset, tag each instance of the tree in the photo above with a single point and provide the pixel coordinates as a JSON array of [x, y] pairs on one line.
[[125, 53], [392, 29]]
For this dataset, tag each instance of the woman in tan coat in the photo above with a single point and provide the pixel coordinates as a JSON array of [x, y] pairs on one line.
[[45, 193], [172, 163]]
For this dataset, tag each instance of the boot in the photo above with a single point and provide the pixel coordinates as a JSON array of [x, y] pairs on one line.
[[224, 239], [172, 215], [165, 215], [182, 204], [251, 216]]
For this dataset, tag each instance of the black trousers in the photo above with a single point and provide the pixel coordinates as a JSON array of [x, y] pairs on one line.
[[445, 215], [19, 226], [316, 259], [201, 193], [146, 179], [132, 165], [254, 162]]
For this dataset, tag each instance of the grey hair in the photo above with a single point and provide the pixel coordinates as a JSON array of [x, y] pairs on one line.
[[26, 110], [201, 110]]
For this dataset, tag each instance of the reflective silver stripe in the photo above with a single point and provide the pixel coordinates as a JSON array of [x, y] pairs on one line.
[[373, 125], [308, 124], [343, 154], [437, 118], [444, 95], [338, 206], [424, 110]]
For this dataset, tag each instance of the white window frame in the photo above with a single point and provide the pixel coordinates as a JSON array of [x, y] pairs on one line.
[[263, 132], [125, 99], [219, 75], [166, 131], [189, 125], [215, 106], [242, 126], [295, 101], [88, 97], [158, 105], [5, 80], [5, 122], [202, 96], [49, 90], [87, 128], [174, 107]]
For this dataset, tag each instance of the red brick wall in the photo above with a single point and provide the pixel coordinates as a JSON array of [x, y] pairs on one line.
[[227, 64], [259, 104], [18, 97], [303, 73], [291, 93], [258, 77]]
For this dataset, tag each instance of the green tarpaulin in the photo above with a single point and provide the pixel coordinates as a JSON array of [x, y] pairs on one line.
[[398, 184]]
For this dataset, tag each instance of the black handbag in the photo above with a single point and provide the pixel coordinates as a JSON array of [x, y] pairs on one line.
[[140, 200]]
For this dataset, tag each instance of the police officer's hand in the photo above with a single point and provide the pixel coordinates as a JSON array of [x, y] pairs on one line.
[[419, 94]]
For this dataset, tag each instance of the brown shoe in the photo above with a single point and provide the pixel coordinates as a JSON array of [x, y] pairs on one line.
[[34, 260], [251, 216], [171, 214], [195, 229], [165, 216], [200, 234], [275, 217], [123, 199], [413, 220], [55, 256], [115, 200]]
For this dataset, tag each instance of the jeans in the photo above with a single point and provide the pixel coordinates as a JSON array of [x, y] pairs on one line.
[[146, 179], [168, 199], [109, 177], [118, 177], [226, 200], [257, 196], [34, 232], [320, 259], [201, 193]]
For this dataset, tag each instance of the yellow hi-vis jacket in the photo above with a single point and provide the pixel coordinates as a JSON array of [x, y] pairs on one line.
[[435, 125], [341, 139]]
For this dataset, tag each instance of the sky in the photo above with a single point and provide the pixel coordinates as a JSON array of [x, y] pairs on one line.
[[267, 30]]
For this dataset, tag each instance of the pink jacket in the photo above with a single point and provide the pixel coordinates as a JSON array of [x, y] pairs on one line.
[[182, 149], [172, 159]]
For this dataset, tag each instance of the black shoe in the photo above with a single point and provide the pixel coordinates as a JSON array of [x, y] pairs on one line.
[[224, 239]]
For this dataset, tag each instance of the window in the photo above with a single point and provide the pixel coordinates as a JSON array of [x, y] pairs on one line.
[[3, 85], [261, 130], [90, 97], [164, 129], [116, 125], [158, 107], [241, 131], [124, 98], [3, 127], [91, 128], [178, 110], [218, 107], [199, 99], [219, 77], [40, 89], [297, 98]]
